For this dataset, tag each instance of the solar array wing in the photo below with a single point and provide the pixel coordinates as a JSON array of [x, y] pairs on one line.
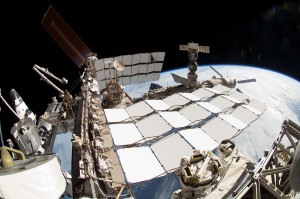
[[139, 68], [181, 80], [219, 89], [158, 105], [219, 129], [153, 125], [203, 93], [139, 164], [125, 134], [244, 115], [236, 97], [221, 102], [256, 107], [169, 153], [65, 37], [198, 139], [176, 100], [175, 137], [194, 112]]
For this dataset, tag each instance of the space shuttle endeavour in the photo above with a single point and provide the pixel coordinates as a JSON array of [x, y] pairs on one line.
[[20, 106]]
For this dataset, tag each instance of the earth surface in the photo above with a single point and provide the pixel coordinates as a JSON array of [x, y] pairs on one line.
[[279, 92]]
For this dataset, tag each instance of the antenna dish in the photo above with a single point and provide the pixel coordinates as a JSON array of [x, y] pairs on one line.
[[118, 65]]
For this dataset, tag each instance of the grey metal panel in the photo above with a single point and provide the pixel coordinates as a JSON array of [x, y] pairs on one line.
[[222, 89], [99, 64], [257, 105], [250, 108], [231, 99], [194, 112], [139, 164], [134, 79], [120, 58], [135, 69], [203, 93], [155, 76], [158, 105], [190, 96], [107, 75], [221, 102], [115, 115], [158, 67], [126, 80], [141, 78], [170, 150], [126, 71], [219, 129], [136, 58], [151, 77], [139, 109], [145, 57], [148, 129], [176, 100], [151, 67], [244, 114], [100, 75], [199, 139], [143, 68], [239, 96], [213, 90], [175, 119], [160, 56], [208, 106], [127, 59], [124, 134], [106, 60], [233, 121]]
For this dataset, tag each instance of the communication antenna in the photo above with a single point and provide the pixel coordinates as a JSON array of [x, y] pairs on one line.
[[114, 90], [118, 65]]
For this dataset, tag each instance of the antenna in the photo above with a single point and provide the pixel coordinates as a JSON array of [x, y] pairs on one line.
[[217, 71], [118, 65]]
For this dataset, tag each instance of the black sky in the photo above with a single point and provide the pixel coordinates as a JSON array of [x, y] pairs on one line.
[[237, 33]]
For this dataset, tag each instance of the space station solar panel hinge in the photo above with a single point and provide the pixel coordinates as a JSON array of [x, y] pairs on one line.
[[65, 37]]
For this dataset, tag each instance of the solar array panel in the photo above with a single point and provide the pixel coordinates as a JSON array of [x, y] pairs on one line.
[[65, 37], [139, 68], [166, 135]]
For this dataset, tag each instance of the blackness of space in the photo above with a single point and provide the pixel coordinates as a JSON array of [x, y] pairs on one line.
[[264, 34]]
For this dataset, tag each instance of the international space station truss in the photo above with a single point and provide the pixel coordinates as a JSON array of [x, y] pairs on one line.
[[114, 147]]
